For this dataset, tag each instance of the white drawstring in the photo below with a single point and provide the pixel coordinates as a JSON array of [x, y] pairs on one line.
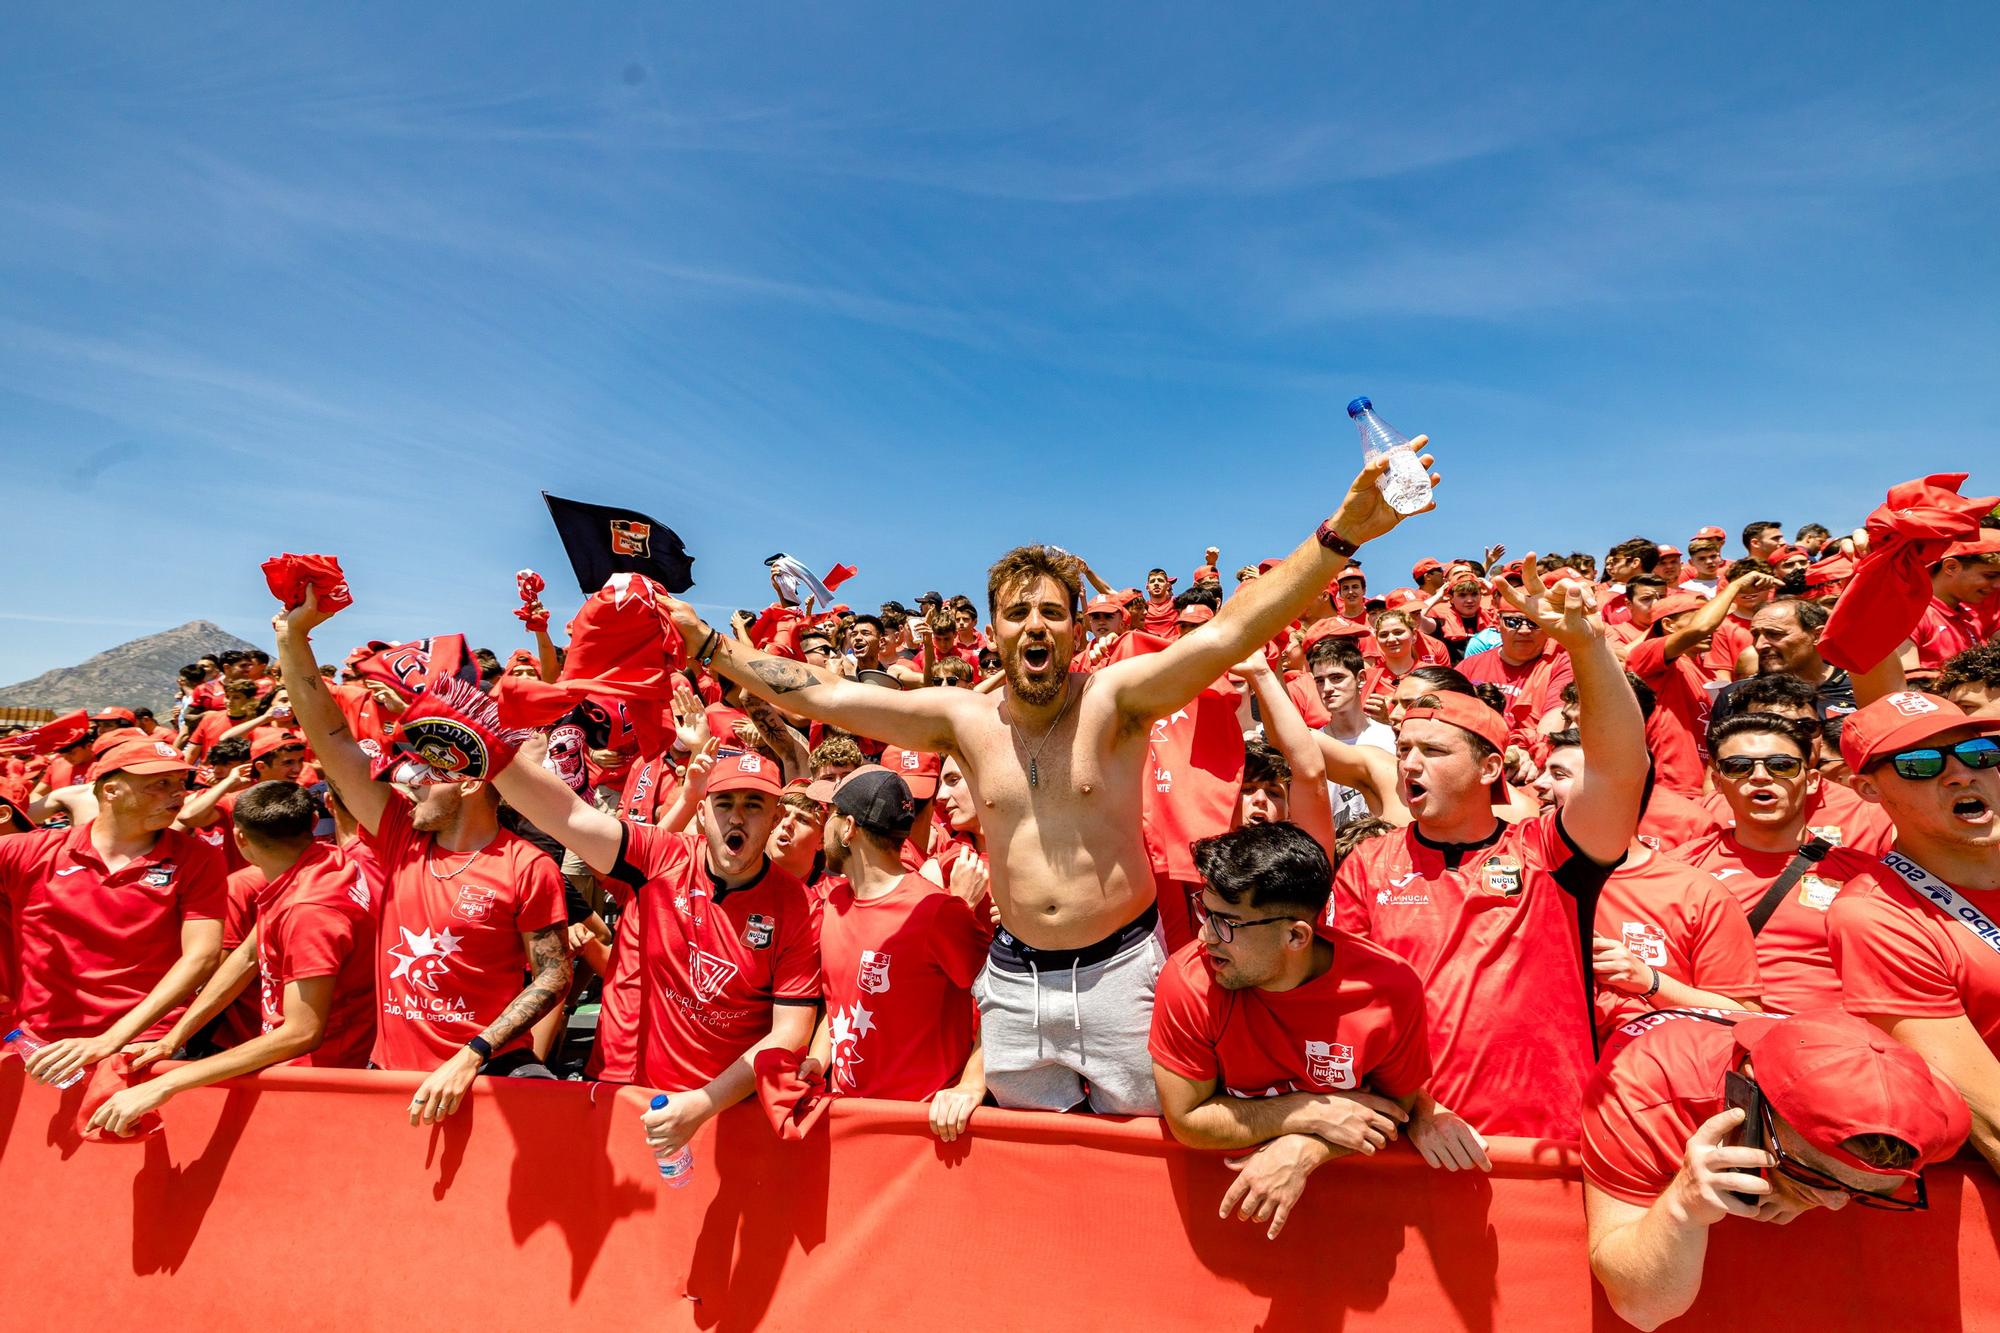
[[1036, 990], [1075, 1015]]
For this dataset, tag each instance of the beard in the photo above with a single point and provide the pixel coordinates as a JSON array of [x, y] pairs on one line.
[[1036, 688]]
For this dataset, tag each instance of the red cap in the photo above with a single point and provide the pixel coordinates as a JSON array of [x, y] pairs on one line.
[[919, 769], [1209, 570], [1677, 603], [1986, 543], [1901, 721], [1784, 553], [1709, 533], [1669, 550], [1397, 598], [748, 771], [142, 757], [1130, 595], [1466, 712], [270, 740], [1353, 571], [1423, 567], [1834, 569], [115, 737], [1333, 627], [520, 657], [1832, 1076], [1197, 614], [1104, 606], [1266, 566], [125, 715]]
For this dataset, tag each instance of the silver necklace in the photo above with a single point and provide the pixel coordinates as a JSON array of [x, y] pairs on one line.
[[430, 856], [1035, 753]]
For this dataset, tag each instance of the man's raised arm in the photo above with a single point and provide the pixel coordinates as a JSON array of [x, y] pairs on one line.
[[914, 720], [339, 756], [1155, 684]]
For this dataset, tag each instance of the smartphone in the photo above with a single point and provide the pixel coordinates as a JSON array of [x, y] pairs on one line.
[[1739, 1092]]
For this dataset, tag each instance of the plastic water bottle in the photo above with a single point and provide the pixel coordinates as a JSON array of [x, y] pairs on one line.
[[1406, 486], [678, 1169], [25, 1045]]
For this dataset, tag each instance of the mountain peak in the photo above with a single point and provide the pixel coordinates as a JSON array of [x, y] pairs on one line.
[[134, 674]]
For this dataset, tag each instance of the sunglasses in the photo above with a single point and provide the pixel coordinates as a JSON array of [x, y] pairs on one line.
[[1981, 752], [1516, 623], [1740, 766], [1793, 1169]]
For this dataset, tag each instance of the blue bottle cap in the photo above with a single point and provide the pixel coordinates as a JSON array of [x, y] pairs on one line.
[[1358, 406], [659, 1100], [10, 1036]]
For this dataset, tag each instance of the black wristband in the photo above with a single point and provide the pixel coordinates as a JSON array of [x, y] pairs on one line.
[[479, 1047], [1653, 989], [1333, 541], [706, 653]]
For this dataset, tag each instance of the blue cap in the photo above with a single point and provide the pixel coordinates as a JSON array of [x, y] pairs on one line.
[[659, 1100], [1358, 406]]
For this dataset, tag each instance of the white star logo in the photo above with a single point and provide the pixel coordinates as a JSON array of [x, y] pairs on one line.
[[421, 956]]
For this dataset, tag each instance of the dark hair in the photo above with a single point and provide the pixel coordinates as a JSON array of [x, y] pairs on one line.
[[228, 754], [1155, 570], [1263, 763], [1758, 724], [1752, 531], [1354, 833], [1490, 695], [1760, 693], [1336, 650], [1811, 616], [280, 812], [1645, 581], [1748, 564], [1567, 738], [1025, 564], [1266, 866], [489, 664], [1646, 552], [1444, 679], [192, 674], [893, 618], [1974, 666], [142, 711], [256, 655], [229, 657], [1201, 594], [865, 619], [1811, 530]]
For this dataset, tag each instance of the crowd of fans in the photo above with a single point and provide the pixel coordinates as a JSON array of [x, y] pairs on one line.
[[1304, 858]]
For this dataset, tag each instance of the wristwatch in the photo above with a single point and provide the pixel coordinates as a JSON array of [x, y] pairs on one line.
[[1333, 541], [479, 1047]]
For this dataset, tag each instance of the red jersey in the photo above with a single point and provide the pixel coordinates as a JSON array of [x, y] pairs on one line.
[[1902, 956], [244, 1018], [1834, 814], [1731, 637], [1944, 631], [1648, 1098], [1533, 688], [450, 929], [1671, 820], [1681, 686], [715, 961], [317, 920], [1792, 951], [1681, 921], [94, 942], [614, 1054], [208, 729], [1358, 1024], [1161, 618], [898, 973], [649, 788], [1495, 932]]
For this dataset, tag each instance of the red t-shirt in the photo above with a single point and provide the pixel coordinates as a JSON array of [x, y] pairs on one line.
[[1681, 921], [93, 943], [1731, 637], [1161, 618], [713, 965], [1834, 814], [1533, 688], [1647, 1099], [1495, 932], [614, 1055], [1358, 1024], [1792, 952], [1684, 701], [208, 729], [243, 1019], [898, 973], [1943, 632], [1672, 820], [450, 933], [317, 920], [1900, 955]]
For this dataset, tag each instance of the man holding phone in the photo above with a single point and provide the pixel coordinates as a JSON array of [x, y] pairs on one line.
[[1700, 1115]]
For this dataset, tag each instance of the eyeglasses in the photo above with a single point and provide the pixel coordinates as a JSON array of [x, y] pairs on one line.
[[1980, 752], [1223, 928], [1794, 1170], [1739, 766], [1516, 623]]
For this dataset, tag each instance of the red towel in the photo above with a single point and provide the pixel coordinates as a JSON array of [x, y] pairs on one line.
[[288, 577], [1892, 584], [793, 1103], [622, 646], [113, 1074], [838, 575]]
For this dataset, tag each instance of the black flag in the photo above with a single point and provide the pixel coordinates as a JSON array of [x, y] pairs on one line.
[[602, 541]]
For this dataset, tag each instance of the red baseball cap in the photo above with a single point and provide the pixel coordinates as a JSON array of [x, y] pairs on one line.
[[1104, 606], [1468, 714], [125, 715], [142, 757], [1329, 627], [747, 771], [1709, 533], [919, 769], [1676, 604], [1197, 614], [1903, 720], [1669, 550], [270, 740], [1397, 598], [1267, 565], [1986, 543], [1832, 1076], [1423, 567], [1784, 553], [115, 737]]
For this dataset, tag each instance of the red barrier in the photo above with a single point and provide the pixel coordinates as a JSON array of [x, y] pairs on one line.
[[303, 1200]]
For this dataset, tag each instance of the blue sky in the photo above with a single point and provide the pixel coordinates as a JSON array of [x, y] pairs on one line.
[[903, 286]]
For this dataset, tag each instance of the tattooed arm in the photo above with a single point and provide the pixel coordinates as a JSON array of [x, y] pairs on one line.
[[340, 759], [914, 719], [790, 746], [548, 960]]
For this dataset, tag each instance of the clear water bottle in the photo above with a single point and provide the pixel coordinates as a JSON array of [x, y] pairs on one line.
[[678, 1169], [1406, 486], [26, 1043]]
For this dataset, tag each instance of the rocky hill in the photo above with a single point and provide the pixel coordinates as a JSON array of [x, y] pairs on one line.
[[132, 674]]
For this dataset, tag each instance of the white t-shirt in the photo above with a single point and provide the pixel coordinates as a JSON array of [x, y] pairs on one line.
[[1349, 804]]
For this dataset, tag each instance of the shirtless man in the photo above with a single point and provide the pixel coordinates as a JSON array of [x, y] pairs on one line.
[[1056, 763]]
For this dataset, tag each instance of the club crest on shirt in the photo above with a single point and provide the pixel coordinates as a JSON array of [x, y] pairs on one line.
[[159, 876], [1818, 893], [1826, 833], [1331, 1063], [475, 903], [1501, 877], [630, 538], [758, 930], [709, 974], [873, 976], [1646, 942]]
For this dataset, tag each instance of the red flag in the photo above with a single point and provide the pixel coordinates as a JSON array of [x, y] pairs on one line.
[[288, 576], [622, 646], [50, 737], [409, 668], [1891, 586], [838, 575]]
